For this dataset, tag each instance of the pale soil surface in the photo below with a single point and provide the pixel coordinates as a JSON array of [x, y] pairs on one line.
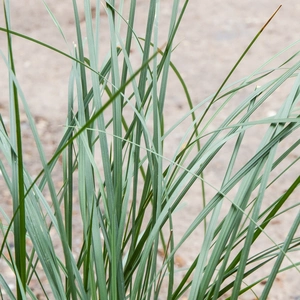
[[211, 38]]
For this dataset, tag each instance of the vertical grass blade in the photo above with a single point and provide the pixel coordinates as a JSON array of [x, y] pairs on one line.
[[18, 192]]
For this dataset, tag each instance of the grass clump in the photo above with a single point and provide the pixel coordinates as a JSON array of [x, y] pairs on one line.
[[115, 170]]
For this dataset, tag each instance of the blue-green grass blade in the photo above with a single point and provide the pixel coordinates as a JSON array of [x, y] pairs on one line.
[[55, 21], [80, 51], [48, 177], [6, 288], [90, 215], [8, 31], [284, 112], [69, 130], [281, 255], [68, 169], [269, 217], [129, 36], [104, 150], [195, 160], [18, 192], [117, 167], [138, 133], [224, 191], [67, 139], [156, 168], [210, 235]]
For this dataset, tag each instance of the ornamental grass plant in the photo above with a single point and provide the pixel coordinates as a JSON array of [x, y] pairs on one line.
[[124, 182]]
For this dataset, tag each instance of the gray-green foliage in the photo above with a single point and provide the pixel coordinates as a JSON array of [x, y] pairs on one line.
[[115, 169]]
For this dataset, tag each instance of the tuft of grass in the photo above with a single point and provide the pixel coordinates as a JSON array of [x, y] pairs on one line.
[[116, 170]]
